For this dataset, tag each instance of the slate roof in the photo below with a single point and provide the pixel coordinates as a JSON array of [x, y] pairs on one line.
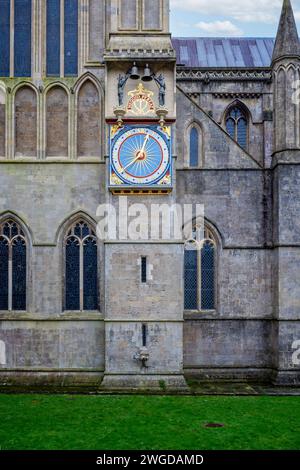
[[224, 52]]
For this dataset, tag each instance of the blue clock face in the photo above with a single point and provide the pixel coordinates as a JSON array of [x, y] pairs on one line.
[[140, 156]]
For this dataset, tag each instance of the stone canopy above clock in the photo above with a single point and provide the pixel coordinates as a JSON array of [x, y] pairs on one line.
[[138, 24]]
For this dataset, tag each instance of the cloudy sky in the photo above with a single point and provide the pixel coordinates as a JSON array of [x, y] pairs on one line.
[[228, 17]]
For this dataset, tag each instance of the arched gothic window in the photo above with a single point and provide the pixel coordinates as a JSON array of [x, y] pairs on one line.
[[200, 273], [81, 268], [194, 147], [237, 125], [13, 272]]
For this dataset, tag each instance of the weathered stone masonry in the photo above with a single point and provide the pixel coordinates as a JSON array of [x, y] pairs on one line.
[[53, 171]]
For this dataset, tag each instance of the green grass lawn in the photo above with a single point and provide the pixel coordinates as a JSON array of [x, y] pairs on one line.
[[148, 422]]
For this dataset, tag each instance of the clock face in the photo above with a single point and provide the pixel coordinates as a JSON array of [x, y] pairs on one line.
[[140, 156]]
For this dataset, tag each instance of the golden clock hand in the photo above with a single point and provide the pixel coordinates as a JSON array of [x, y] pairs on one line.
[[138, 154], [144, 144]]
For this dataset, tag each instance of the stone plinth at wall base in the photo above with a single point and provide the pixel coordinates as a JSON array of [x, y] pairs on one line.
[[49, 380], [230, 374], [288, 378], [151, 383]]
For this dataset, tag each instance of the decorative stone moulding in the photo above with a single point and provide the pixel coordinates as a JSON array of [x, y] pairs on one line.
[[224, 75]]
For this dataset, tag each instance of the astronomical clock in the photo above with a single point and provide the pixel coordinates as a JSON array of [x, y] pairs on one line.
[[140, 158], [140, 140]]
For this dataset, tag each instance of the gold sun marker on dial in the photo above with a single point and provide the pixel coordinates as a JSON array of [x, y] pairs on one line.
[[140, 155]]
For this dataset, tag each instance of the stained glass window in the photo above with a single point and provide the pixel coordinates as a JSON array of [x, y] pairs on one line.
[[194, 147], [22, 38], [71, 37], [191, 279], [208, 275], [68, 26], [4, 38], [81, 268], [200, 274], [13, 266], [237, 125], [53, 37]]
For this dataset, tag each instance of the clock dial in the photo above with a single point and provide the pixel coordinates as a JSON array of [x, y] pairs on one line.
[[140, 156]]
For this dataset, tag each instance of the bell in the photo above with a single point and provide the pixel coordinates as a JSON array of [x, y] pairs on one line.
[[134, 74], [147, 74]]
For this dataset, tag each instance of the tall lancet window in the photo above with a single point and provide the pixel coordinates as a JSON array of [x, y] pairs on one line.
[[81, 268], [13, 272], [237, 125], [200, 273], [15, 41], [194, 147], [62, 37]]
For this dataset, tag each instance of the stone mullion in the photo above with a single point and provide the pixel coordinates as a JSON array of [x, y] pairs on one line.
[[62, 38], [42, 126], [83, 50], [72, 126], [10, 131], [12, 37], [36, 39]]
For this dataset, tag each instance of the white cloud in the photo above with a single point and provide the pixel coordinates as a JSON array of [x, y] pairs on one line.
[[219, 28], [263, 11]]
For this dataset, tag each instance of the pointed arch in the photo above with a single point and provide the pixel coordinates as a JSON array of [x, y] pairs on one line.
[[57, 120], [194, 138], [25, 98], [13, 264], [88, 95], [236, 119], [81, 291], [200, 269]]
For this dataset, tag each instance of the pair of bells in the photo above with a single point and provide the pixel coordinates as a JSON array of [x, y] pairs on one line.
[[134, 73]]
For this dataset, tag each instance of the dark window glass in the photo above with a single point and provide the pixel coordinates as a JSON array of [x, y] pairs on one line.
[[230, 125], [208, 276], [144, 335], [81, 268], [90, 275], [237, 126], [3, 273], [22, 39], [72, 274], [191, 279], [53, 37], [4, 37], [144, 269], [71, 37], [19, 274], [242, 132], [194, 147]]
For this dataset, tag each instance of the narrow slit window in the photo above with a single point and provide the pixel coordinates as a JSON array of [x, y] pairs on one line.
[[144, 335], [194, 147], [144, 269]]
